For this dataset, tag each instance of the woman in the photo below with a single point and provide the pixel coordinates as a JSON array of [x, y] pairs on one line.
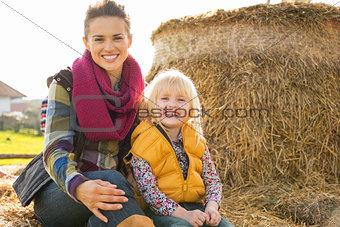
[[107, 87]]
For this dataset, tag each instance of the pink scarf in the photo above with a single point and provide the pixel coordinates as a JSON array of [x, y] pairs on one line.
[[102, 113]]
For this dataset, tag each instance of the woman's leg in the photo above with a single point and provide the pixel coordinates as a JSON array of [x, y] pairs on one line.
[[129, 208], [55, 208]]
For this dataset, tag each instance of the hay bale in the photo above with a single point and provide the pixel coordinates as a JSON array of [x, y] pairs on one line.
[[281, 204], [308, 206], [12, 214], [268, 79]]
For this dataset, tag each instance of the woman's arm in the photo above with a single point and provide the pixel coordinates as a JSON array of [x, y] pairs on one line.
[[58, 143]]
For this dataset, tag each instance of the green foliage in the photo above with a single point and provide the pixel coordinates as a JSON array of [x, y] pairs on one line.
[[33, 118], [24, 142]]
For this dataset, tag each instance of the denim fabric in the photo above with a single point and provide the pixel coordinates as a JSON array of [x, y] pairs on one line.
[[169, 221], [53, 207]]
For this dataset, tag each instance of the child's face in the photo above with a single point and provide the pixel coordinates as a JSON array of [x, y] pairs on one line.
[[174, 109]]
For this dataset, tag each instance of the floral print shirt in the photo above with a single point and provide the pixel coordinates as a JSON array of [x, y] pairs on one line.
[[157, 200]]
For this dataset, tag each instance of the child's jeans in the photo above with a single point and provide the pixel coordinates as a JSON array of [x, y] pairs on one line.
[[169, 221]]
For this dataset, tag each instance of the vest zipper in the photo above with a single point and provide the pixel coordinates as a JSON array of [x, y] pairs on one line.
[[185, 186], [185, 183]]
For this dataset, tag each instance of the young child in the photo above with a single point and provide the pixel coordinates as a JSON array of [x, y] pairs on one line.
[[171, 163]]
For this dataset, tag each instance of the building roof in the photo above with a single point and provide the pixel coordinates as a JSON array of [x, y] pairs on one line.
[[6, 90]]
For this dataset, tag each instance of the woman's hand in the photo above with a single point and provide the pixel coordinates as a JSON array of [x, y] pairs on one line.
[[195, 218], [214, 216], [98, 194]]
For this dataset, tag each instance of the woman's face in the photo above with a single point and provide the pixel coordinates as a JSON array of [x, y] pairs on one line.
[[108, 41]]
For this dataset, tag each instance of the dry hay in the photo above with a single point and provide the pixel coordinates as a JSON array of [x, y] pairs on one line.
[[12, 214], [268, 79], [281, 204], [12, 169], [295, 83]]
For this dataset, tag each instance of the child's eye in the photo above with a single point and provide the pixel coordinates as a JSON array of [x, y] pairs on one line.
[[181, 99], [164, 98]]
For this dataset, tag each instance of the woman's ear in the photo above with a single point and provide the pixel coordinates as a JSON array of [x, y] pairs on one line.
[[130, 41], [86, 44]]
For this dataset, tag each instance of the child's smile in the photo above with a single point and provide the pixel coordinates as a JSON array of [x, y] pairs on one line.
[[175, 109], [171, 113]]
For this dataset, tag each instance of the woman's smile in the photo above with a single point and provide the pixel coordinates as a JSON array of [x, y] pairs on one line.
[[110, 58]]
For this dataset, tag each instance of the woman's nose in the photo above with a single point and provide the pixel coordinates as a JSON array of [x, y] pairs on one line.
[[109, 45]]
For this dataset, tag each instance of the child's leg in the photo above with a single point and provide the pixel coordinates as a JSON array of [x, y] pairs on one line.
[[198, 206], [224, 223], [166, 221]]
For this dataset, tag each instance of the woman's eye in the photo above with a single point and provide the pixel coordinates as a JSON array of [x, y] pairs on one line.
[[118, 38], [98, 39]]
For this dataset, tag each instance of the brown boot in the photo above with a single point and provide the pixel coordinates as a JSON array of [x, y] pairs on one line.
[[136, 221]]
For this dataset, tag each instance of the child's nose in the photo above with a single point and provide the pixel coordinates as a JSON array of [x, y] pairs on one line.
[[172, 104]]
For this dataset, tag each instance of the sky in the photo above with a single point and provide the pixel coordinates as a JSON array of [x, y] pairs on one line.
[[40, 37]]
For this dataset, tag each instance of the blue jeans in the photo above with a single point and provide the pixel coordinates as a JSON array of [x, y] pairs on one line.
[[169, 221], [53, 207]]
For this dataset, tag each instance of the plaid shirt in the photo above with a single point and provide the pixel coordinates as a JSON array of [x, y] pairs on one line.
[[58, 145]]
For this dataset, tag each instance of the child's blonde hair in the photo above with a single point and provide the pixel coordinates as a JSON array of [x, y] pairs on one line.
[[174, 81]]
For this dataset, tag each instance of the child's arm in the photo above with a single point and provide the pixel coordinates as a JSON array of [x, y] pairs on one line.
[[147, 184], [213, 185], [213, 188]]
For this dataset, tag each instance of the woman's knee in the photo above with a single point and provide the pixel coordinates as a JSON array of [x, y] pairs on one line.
[[112, 176]]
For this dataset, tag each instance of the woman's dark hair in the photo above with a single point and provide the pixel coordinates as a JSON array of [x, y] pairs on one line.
[[106, 8], [49, 81]]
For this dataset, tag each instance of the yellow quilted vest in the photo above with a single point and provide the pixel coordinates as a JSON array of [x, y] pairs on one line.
[[149, 144]]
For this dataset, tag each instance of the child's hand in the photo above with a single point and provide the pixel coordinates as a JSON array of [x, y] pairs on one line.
[[214, 216], [195, 218]]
